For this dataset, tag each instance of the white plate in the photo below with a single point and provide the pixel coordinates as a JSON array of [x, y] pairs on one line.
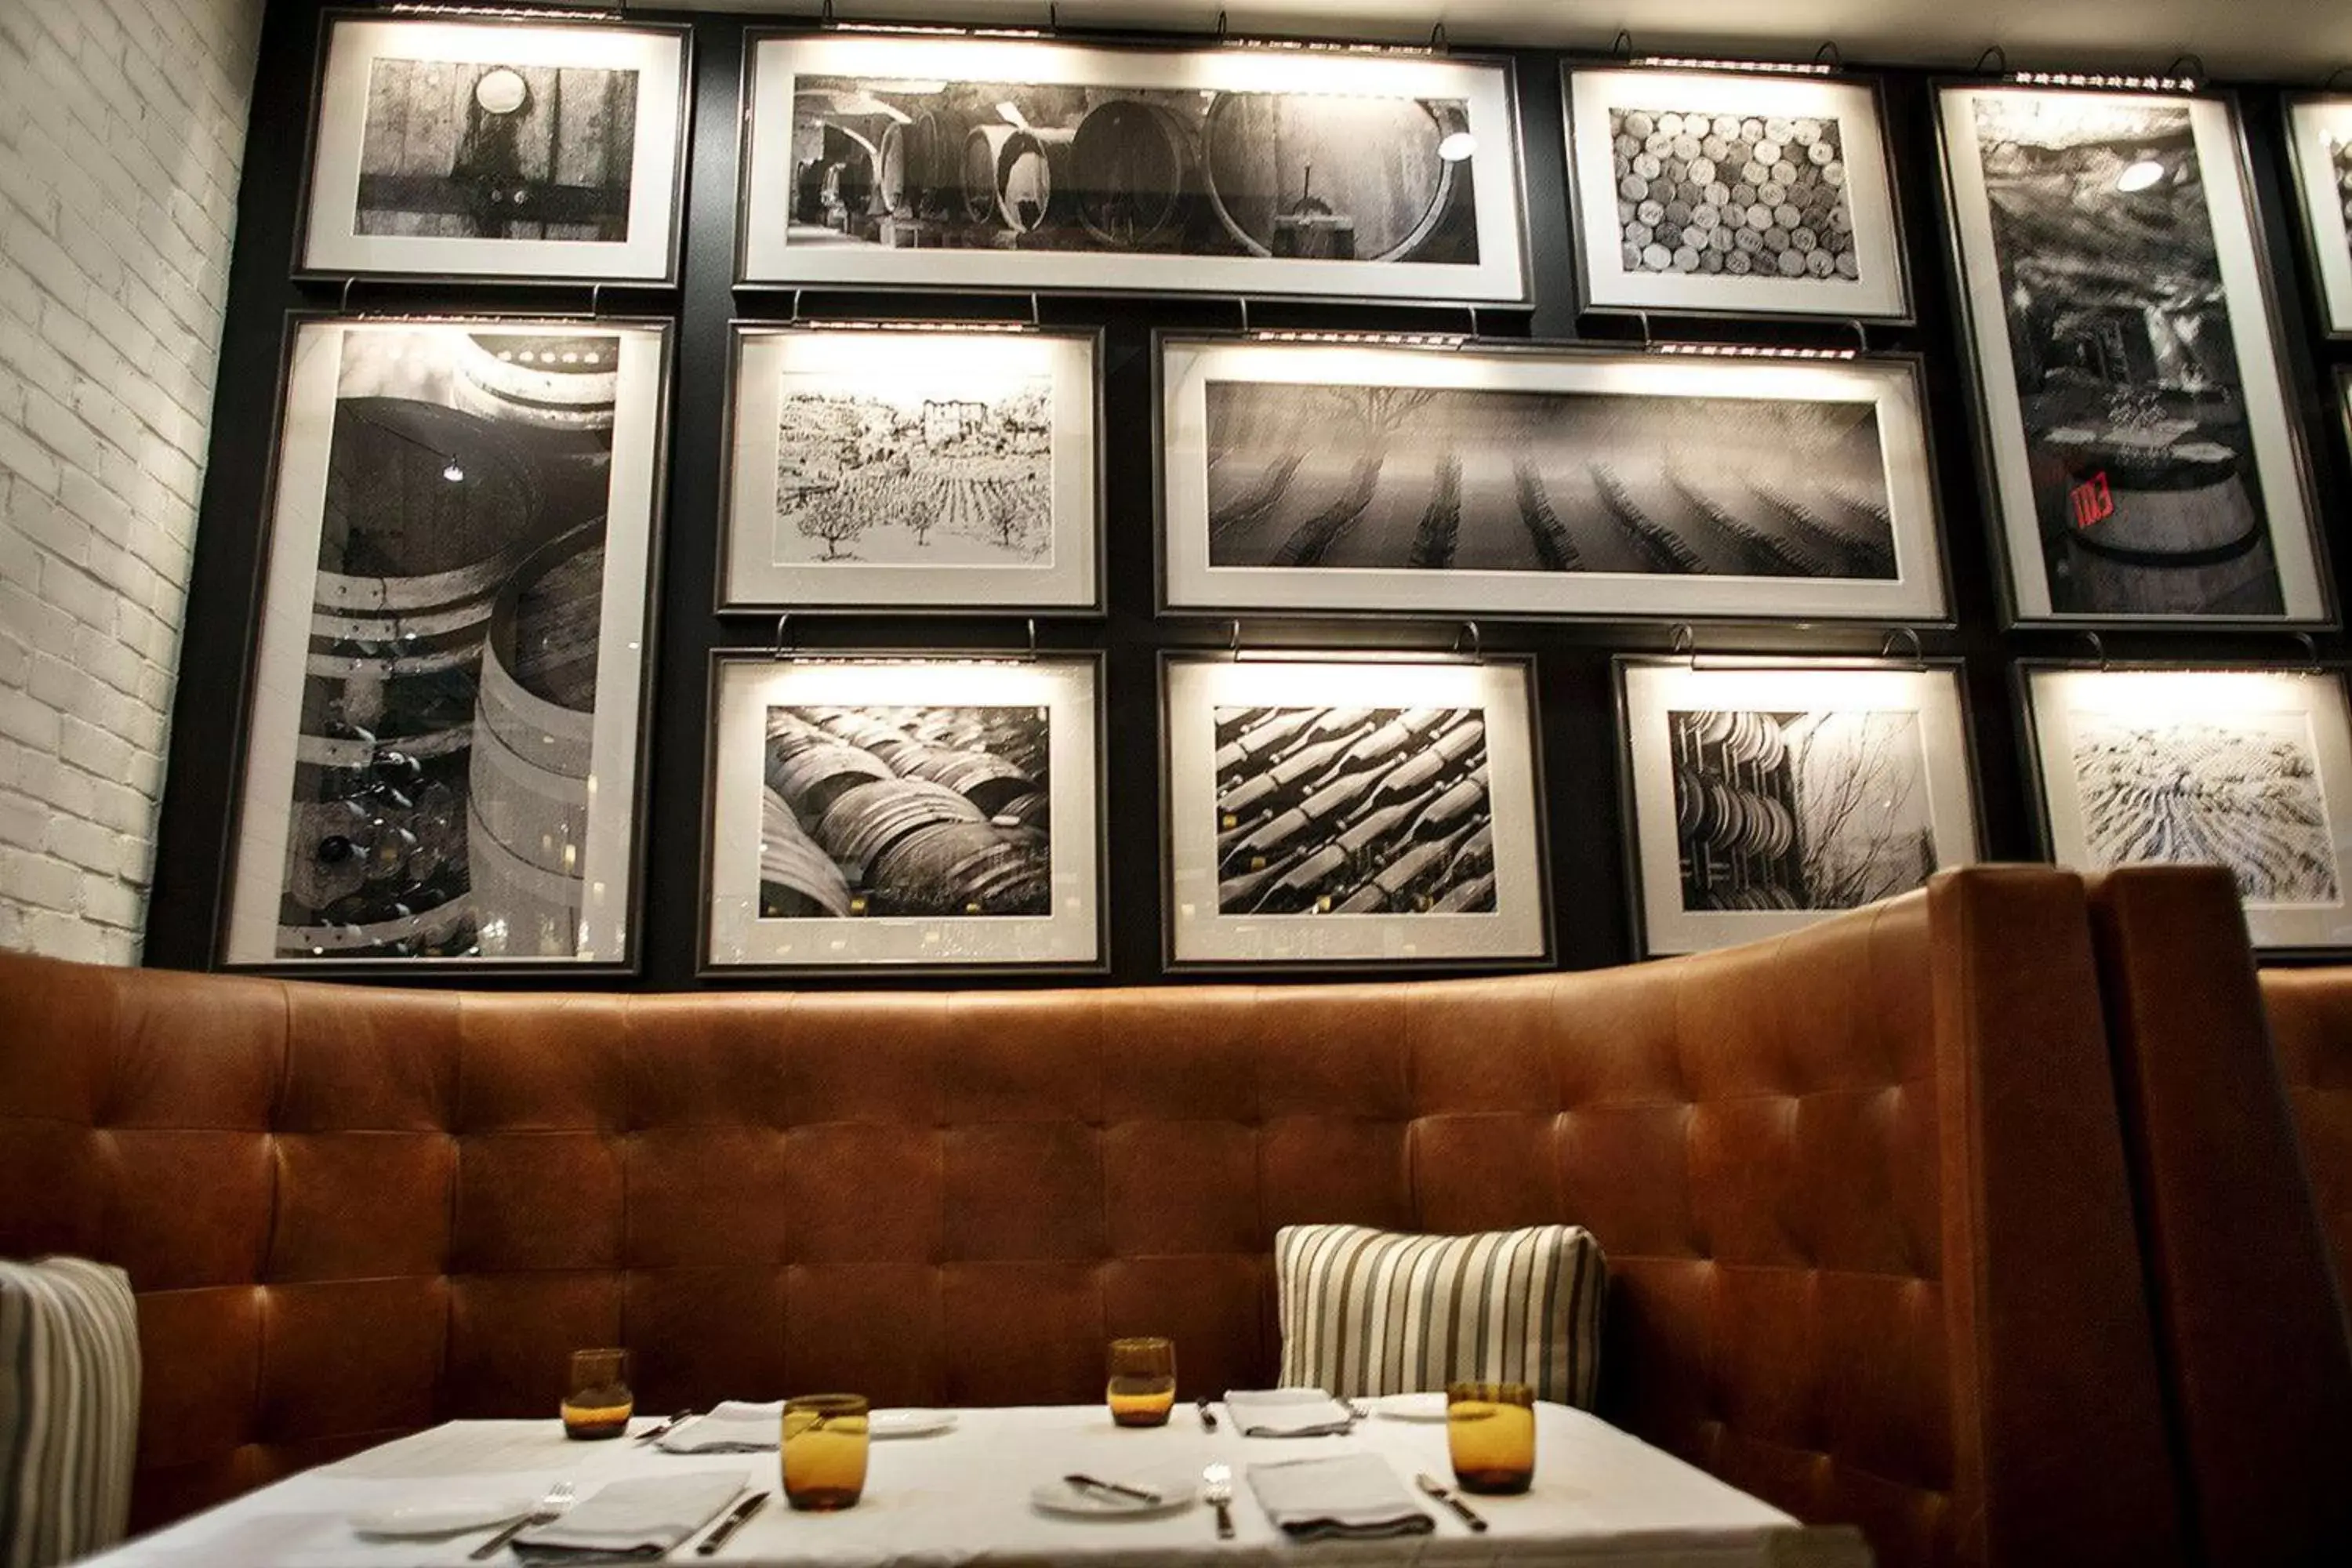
[[422, 1519], [1410, 1406], [909, 1423], [1177, 1489]]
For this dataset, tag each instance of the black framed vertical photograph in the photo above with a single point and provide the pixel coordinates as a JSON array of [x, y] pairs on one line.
[[939, 161], [1765, 795], [913, 468], [2247, 768], [2142, 451], [898, 812], [441, 763], [1372, 810], [1764, 192], [450, 145], [2319, 141]]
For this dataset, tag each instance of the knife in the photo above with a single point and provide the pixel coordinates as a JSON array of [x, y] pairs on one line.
[[1135, 1494], [728, 1526], [658, 1429], [1443, 1494]]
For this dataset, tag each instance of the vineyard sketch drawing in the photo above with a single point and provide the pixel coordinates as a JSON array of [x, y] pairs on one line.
[[896, 471], [1435, 478], [2243, 792], [1783, 810]]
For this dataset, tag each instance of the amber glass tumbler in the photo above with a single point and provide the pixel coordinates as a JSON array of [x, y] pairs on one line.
[[1490, 1433], [1143, 1381], [598, 1403], [824, 1451]]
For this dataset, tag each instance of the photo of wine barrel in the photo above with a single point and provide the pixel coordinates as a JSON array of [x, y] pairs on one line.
[[1132, 167], [1336, 178], [2241, 792], [498, 152], [1737, 194]]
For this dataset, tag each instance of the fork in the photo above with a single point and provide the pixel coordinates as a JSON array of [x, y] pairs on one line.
[[1217, 1488], [552, 1506]]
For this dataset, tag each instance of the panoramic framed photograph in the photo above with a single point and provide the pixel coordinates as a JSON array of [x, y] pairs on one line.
[[940, 813], [447, 709], [2131, 412], [1733, 193], [913, 468], [1543, 480], [1765, 795], [2251, 769], [451, 146], [928, 161], [2319, 135], [1367, 810]]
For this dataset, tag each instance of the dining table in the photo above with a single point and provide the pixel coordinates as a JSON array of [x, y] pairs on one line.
[[964, 1493]]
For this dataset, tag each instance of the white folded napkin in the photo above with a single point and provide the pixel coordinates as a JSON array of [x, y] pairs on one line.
[[642, 1517], [734, 1426], [1343, 1495], [1287, 1413]]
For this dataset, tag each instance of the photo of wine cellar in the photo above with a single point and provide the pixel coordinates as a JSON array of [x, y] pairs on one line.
[[1353, 811], [1010, 165], [2241, 792], [457, 149], [894, 471], [1701, 192], [1438, 478], [1785, 811], [898, 811], [442, 787], [2341, 167]]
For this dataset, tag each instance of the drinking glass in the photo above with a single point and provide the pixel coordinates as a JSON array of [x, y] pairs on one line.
[[1490, 1433], [824, 1451], [598, 1403], [1143, 1381]]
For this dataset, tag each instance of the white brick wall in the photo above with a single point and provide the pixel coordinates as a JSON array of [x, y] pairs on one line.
[[121, 131]]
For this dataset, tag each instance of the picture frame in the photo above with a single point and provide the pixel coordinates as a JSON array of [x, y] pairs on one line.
[[940, 813], [1732, 191], [1034, 164], [913, 468], [1551, 482], [1762, 795], [447, 147], [1375, 810], [2249, 766], [2139, 475], [440, 764], [2319, 144]]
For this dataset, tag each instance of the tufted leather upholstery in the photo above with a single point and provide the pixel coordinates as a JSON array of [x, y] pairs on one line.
[[2248, 1315], [1862, 1191]]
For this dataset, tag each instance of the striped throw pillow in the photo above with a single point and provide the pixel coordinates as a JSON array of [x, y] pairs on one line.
[[68, 1409], [1368, 1312]]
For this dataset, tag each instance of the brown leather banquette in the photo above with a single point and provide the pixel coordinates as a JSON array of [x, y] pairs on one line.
[[1862, 1190]]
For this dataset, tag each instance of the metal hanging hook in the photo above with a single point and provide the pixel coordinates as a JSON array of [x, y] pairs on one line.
[[2098, 647], [1992, 52], [1829, 55], [2311, 653], [1243, 300], [2187, 57], [347, 281], [1033, 639], [1918, 659], [1477, 642], [777, 650], [1684, 641], [1437, 43], [1623, 44], [1234, 638]]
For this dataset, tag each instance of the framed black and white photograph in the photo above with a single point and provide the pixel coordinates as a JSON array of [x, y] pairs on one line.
[[1766, 796], [1543, 480], [455, 146], [2137, 436], [1360, 810], [443, 725], [928, 161], [903, 812], [1733, 193], [913, 468], [2319, 136], [2251, 769]]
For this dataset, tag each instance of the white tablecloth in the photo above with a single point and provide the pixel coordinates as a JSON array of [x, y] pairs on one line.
[[962, 1497]]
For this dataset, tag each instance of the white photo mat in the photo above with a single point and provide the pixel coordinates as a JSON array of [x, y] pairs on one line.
[[1655, 690], [2286, 713], [1891, 387], [753, 576], [2319, 130], [2000, 411], [332, 243], [1882, 289], [1516, 929], [768, 255], [282, 661], [746, 686]]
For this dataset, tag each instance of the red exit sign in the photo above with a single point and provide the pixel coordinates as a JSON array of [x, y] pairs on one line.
[[2094, 501]]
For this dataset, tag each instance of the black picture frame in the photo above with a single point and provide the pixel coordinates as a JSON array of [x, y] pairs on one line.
[[2326, 231]]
